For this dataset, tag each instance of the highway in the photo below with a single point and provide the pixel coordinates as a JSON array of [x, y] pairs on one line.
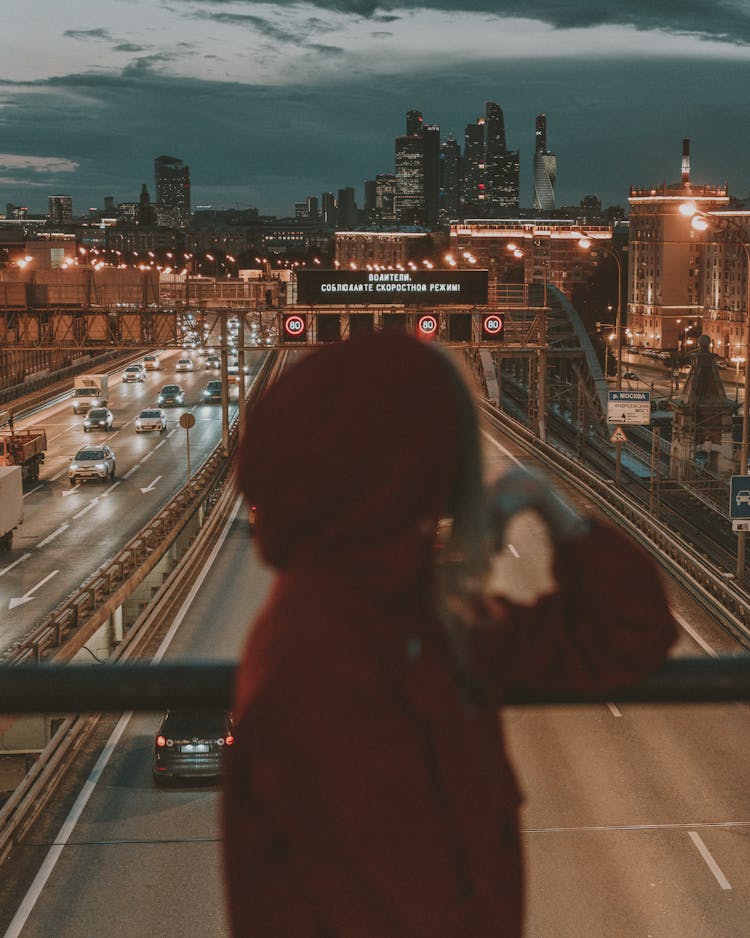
[[69, 532], [636, 819]]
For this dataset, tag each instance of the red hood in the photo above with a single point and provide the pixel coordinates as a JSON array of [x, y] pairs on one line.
[[350, 457]]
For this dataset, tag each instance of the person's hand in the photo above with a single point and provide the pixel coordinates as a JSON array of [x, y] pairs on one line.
[[525, 489]]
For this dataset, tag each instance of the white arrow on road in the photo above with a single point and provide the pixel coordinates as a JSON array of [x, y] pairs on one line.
[[71, 490], [27, 597], [152, 485]]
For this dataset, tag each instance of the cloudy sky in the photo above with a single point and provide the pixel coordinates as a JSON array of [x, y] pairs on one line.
[[270, 102]]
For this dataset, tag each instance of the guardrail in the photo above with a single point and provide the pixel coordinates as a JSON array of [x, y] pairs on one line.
[[116, 688], [724, 599]]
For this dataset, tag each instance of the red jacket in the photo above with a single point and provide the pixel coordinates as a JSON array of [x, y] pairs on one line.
[[368, 794]]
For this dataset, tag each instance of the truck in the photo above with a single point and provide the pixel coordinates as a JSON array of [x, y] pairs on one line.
[[11, 504], [89, 391], [25, 449]]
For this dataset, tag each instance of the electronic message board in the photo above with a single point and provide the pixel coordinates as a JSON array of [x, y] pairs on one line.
[[392, 287]]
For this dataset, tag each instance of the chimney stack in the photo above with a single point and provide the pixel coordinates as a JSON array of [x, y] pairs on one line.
[[685, 161]]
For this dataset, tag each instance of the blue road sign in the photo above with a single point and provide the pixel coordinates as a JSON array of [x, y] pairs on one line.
[[739, 498]]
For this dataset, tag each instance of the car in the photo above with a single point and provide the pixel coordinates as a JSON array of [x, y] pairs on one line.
[[171, 395], [151, 362], [630, 376], [233, 370], [212, 392], [95, 462], [191, 744], [213, 362], [184, 364], [134, 373], [86, 398], [98, 418], [151, 419]]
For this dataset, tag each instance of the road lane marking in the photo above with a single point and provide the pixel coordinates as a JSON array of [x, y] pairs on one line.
[[14, 564], [693, 634], [513, 551], [63, 836], [159, 445], [29, 594], [51, 537], [613, 710], [172, 432], [151, 486], [31, 491], [111, 489], [603, 828], [148, 456], [709, 860], [130, 472], [86, 508]]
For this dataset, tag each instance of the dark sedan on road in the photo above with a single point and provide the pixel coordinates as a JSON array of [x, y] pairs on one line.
[[171, 395], [191, 743]]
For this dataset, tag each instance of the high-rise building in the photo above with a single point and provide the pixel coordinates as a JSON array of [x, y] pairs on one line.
[[414, 121], [473, 168], [545, 169], [146, 211], [329, 212], [431, 169], [348, 216], [60, 209], [677, 275], [172, 191], [501, 166], [410, 201], [385, 198], [450, 179]]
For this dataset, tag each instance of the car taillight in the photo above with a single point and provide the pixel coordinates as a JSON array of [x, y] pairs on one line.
[[228, 739], [161, 741]]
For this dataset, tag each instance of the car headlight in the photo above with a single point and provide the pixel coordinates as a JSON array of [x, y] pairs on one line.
[[101, 466], [74, 466]]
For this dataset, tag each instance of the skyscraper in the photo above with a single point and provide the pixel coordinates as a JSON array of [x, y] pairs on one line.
[[172, 191], [409, 202], [414, 121], [545, 169], [450, 179], [385, 197], [60, 209], [348, 214], [473, 166], [501, 166], [431, 169]]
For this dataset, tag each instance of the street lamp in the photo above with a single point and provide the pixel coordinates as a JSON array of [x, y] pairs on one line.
[[587, 243], [700, 221]]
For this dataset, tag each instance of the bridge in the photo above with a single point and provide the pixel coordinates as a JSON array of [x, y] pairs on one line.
[[179, 583]]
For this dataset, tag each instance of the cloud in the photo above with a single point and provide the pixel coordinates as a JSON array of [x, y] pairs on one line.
[[128, 47], [727, 20], [86, 34], [38, 164]]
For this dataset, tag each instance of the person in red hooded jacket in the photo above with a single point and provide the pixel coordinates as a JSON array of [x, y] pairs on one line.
[[368, 794]]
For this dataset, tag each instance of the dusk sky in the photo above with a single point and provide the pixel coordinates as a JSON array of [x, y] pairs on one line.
[[270, 102]]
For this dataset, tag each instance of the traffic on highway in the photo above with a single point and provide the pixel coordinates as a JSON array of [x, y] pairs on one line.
[[104, 474]]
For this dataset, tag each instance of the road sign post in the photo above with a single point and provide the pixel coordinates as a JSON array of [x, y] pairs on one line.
[[187, 420], [618, 438], [739, 514]]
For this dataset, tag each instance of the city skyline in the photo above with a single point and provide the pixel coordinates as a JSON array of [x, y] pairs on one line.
[[269, 103]]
